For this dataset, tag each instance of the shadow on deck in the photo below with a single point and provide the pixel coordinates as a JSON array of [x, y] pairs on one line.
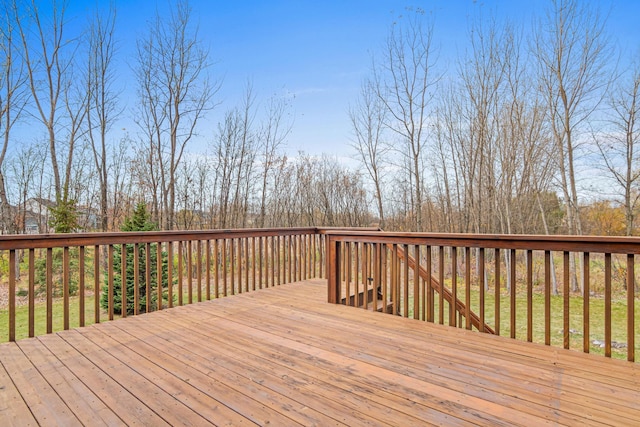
[[284, 356]]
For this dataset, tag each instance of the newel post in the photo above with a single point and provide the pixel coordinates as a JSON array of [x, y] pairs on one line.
[[333, 270]]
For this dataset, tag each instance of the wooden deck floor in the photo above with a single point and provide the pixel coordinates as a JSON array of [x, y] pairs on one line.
[[283, 356]]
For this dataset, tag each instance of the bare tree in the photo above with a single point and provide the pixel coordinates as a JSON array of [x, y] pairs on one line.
[[12, 100], [102, 106], [619, 146], [175, 92], [368, 123], [574, 57], [404, 80]]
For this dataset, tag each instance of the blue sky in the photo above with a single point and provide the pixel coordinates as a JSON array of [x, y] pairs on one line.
[[318, 52]]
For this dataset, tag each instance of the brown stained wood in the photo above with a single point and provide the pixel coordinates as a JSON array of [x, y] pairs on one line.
[[467, 287], [136, 279], [123, 281], [529, 295], [430, 290], [630, 308], [216, 270], [565, 299], [189, 266], [110, 282], [81, 286], [607, 304], [169, 273], [225, 267], [232, 267], [586, 341], [441, 281], [32, 292], [547, 297], [498, 290], [96, 283], [307, 362], [198, 269], [512, 295], [12, 295], [49, 297], [159, 275], [416, 282], [65, 287], [147, 276], [454, 284], [260, 262], [207, 260], [481, 284], [274, 261], [15, 411], [348, 267], [181, 274], [253, 264]]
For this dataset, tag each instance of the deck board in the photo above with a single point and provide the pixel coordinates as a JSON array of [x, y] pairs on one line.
[[283, 356]]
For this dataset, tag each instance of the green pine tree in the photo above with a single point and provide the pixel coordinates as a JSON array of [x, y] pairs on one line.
[[139, 221]]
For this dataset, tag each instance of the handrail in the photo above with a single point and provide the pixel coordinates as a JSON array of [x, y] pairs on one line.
[[595, 273], [170, 268]]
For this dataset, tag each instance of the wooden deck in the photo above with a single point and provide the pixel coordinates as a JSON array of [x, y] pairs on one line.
[[284, 356]]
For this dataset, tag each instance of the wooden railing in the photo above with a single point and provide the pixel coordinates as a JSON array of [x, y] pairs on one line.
[[496, 284], [168, 269]]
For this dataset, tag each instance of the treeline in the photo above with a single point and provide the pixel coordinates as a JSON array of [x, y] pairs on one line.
[[502, 140]]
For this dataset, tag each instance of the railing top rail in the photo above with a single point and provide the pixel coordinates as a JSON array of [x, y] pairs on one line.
[[29, 241], [598, 244]]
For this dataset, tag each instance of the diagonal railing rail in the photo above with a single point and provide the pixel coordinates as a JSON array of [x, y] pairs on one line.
[[575, 292]]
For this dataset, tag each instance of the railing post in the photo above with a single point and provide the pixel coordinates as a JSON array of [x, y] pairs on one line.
[[333, 270]]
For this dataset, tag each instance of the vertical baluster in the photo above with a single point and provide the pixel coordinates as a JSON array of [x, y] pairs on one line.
[[199, 269], [384, 263], [65, 287], [147, 277], [96, 283], [180, 273], [496, 255], [355, 248], [232, 265], [512, 296], [565, 296], [441, 279], [261, 263], [123, 280], [405, 289], [607, 305], [322, 249], [377, 291], [289, 259], [253, 263], [207, 261], [273, 260], [630, 308], [12, 295], [189, 271], [467, 287], [136, 279], [430, 294], [314, 250], [159, 274], [394, 279], [454, 285], [110, 281], [416, 282], [333, 271], [482, 291], [529, 295], [32, 302], [365, 275], [547, 297], [348, 267], [81, 285], [281, 261], [216, 277], [247, 260], [586, 343]]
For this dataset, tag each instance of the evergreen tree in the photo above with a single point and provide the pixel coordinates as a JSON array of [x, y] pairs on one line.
[[139, 221]]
